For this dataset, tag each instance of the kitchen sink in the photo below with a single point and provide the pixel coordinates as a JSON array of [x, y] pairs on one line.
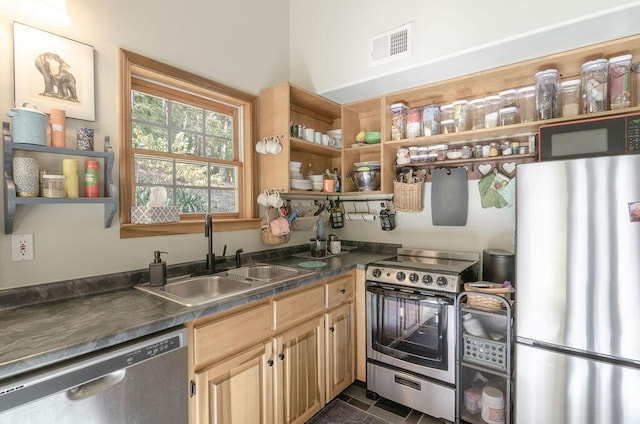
[[194, 291], [265, 273]]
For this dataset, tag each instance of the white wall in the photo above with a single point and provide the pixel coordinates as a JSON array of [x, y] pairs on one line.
[[240, 43], [330, 39]]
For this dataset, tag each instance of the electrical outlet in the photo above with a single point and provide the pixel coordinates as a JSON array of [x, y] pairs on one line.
[[22, 247]]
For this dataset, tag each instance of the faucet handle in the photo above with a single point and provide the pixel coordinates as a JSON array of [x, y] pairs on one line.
[[238, 259]]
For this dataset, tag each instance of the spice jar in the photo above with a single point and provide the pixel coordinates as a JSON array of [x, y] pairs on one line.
[[398, 121], [476, 113], [460, 109], [594, 76], [491, 111], [414, 123], [619, 85], [414, 154], [431, 120], [423, 154], [527, 103], [493, 150], [570, 98], [547, 89]]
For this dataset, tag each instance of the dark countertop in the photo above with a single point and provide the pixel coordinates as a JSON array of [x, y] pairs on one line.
[[43, 334]]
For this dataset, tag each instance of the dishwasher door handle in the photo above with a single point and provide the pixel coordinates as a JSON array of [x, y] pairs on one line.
[[92, 388]]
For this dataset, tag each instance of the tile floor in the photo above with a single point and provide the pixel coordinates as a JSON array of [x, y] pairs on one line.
[[387, 410]]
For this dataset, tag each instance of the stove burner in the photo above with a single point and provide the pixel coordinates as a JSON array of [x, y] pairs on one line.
[[426, 269]]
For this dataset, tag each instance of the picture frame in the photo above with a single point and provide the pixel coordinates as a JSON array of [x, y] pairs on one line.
[[53, 72]]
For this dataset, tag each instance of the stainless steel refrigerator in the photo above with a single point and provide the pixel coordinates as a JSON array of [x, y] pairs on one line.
[[578, 291]]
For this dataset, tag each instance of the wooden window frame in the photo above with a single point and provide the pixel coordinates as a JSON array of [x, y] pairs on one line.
[[133, 65]]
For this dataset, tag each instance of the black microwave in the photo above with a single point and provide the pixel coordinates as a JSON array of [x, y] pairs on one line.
[[605, 136]]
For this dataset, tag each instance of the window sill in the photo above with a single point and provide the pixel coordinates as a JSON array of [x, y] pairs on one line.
[[185, 227]]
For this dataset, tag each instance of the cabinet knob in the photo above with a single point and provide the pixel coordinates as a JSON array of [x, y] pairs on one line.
[[332, 329], [281, 356], [343, 291], [270, 362]]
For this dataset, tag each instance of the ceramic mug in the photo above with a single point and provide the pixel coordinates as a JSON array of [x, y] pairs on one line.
[[275, 200], [263, 199], [261, 147], [325, 139], [26, 176], [309, 134], [317, 137], [273, 146]]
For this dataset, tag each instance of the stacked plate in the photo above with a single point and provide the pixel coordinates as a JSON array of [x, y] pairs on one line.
[[294, 170], [300, 184]]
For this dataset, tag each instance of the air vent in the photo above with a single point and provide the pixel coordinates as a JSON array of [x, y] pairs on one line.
[[390, 45]]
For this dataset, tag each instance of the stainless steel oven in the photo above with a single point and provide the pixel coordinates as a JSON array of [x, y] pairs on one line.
[[411, 331]]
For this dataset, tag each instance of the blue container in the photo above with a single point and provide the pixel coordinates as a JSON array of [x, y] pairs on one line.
[[29, 125]]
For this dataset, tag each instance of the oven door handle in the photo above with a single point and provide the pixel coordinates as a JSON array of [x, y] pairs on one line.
[[424, 297]]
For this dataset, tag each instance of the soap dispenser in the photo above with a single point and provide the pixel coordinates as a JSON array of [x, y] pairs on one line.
[[157, 270]]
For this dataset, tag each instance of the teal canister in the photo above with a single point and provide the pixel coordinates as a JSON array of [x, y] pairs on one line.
[[28, 124]]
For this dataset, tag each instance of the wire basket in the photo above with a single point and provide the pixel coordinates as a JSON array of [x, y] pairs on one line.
[[487, 302], [407, 197], [484, 352]]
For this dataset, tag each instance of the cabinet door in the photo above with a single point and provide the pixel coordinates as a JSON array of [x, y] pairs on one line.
[[300, 381], [340, 349], [238, 390]]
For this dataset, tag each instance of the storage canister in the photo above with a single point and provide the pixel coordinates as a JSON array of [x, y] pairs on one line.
[[547, 94], [619, 84], [447, 126], [446, 112], [460, 110], [498, 266], [508, 98], [635, 83], [570, 98], [58, 129], [414, 154], [431, 120], [492, 405], [594, 77], [414, 123], [53, 185], [509, 115], [491, 111], [70, 172], [91, 188], [398, 121], [476, 113], [28, 125], [527, 103]]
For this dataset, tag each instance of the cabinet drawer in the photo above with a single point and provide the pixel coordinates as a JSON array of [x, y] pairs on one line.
[[339, 291], [295, 308], [220, 338]]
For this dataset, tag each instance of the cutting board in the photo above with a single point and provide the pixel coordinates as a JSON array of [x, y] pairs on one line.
[[449, 197]]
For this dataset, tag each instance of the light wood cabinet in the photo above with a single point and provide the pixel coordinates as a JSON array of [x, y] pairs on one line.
[[238, 389], [268, 362], [340, 357]]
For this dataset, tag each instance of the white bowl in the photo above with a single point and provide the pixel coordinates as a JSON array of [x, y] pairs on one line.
[[335, 133], [454, 154], [316, 178], [317, 187], [295, 164], [296, 175]]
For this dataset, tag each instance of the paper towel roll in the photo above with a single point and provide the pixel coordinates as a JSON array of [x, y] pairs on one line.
[[361, 216]]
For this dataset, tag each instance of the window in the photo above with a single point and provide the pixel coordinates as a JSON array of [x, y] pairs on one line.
[[191, 137]]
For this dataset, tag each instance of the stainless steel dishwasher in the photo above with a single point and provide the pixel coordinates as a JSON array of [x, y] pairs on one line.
[[143, 381]]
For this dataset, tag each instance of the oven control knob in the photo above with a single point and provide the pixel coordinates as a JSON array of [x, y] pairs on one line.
[[376, 272], [442, 281], [400, 276], [414, 278], [427, 279]]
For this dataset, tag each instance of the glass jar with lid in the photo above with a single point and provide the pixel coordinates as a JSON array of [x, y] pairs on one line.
[[414, 123], [476, 113], [570, 97], [594, 77], [509, 98], [527, 103], [431, 120], [460, 111], [547, 94], [619, 82], [446, 112], [398, 121], [447, 126], [509, 115], [491, 111]]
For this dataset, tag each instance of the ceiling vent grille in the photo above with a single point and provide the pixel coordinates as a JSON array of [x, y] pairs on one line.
[[390, 45]]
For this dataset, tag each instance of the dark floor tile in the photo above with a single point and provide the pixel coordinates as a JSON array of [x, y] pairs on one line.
[[359, 404], [344, 397], [393, 407], [414, 417]]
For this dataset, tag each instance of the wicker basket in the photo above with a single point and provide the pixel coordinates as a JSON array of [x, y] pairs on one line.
[[267, 236], [407, 197], [487, 302]]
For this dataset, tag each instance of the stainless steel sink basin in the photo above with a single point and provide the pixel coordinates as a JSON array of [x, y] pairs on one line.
[[194, 291], [264, 273]]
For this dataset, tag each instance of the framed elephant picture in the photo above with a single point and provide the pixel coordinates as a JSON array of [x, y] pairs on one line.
[[53, 72]]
